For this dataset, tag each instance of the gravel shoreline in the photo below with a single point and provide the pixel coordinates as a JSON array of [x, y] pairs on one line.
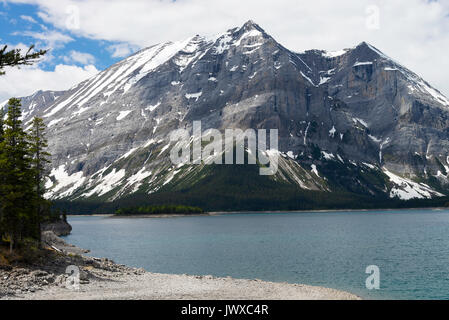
[[102, 279]]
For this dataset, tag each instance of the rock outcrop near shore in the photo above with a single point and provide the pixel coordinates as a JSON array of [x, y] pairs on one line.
[[59, 228]]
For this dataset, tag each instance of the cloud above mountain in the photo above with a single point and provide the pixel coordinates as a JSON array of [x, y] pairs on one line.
[[414, 32], [27, 80]]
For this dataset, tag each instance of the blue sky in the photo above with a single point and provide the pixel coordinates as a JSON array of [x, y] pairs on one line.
[[19, 24], [86, 36]]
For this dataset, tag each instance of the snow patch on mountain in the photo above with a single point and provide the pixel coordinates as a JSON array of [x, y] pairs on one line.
[[307, 78], [315, 170], [252, 33], [63, 181], [406, 189], [189, 53], [3, 104], [151, 108], [327, 156], [107, 183], [54, 122], [123, 114], [361, 121], [223, 43], [332, 132], [334, 54], [365, 63], [195, 96], [136, 180]]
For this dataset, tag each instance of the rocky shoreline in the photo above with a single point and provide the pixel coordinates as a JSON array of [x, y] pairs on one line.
[[50, 270], [101, 278]]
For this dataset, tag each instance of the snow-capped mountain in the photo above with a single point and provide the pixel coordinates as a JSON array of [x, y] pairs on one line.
[[352, 121]]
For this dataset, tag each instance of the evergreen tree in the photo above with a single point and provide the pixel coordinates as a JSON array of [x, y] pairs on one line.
[[14, 57], [21, 163], [2, 223], [2, 123], [40, 160], [16, 190]]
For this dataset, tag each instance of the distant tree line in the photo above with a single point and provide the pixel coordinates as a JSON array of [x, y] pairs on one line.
[[163, 209]]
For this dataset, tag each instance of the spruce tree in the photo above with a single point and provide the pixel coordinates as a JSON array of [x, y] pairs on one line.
[[2, 223], [16, 190], [19, 196], [14, 57], [40, 160], [2, 123]]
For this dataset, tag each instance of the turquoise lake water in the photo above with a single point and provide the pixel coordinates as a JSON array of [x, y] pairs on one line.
[[331, 249]]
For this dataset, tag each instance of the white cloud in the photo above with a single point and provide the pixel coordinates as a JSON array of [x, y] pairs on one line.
[[27, 80], [414, 32], [79, 57], [21, 46], [28, 18], [52, 39], [121, 50]]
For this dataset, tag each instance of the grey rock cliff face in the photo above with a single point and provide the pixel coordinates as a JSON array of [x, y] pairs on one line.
[[355, 110], [59, 228]]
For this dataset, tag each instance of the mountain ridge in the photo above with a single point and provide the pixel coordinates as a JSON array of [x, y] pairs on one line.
[[349, 121]]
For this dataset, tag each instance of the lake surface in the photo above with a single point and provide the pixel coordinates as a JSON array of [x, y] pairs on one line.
[[332, 249]]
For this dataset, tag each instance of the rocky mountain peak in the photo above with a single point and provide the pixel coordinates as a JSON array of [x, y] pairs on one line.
[[251, 25], [249, 30], [351, 120], [368, 51]]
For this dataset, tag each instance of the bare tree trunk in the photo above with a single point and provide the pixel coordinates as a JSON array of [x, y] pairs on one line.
[[39, 233], [11, 244]]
